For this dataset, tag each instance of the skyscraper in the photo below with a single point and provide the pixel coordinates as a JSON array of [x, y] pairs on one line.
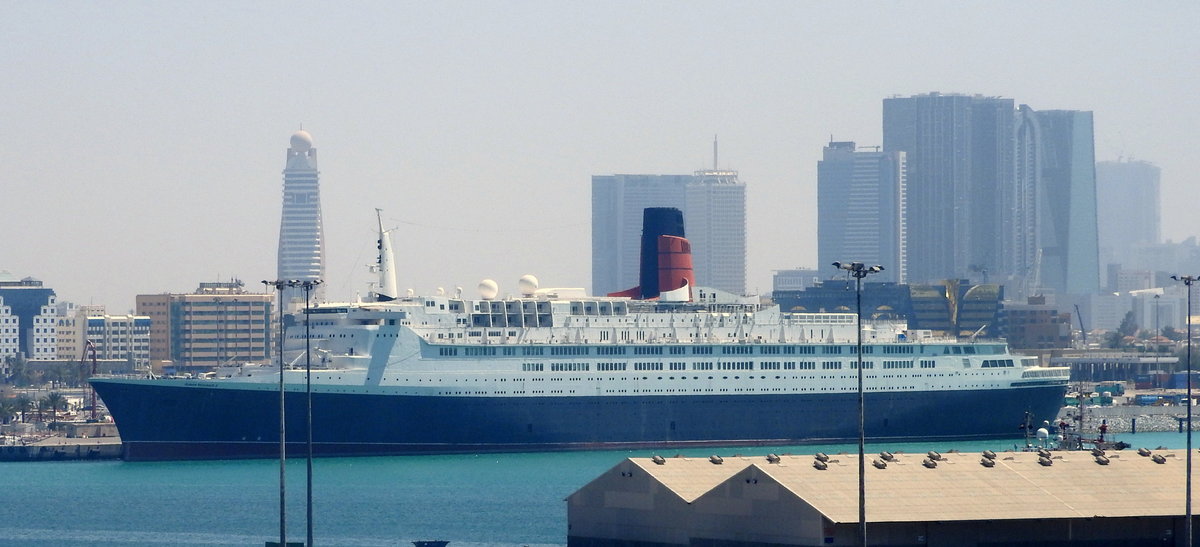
[[714, 213], [714, 216], [959, 152], [1020, 237], [1127, 198], [301, 234], [861, 208], [1068, 224]]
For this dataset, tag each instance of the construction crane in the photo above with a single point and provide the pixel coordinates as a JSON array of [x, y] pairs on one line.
[[90, 349], [1082, 331]]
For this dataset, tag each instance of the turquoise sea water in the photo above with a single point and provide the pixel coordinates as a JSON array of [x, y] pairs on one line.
[[473, 501]]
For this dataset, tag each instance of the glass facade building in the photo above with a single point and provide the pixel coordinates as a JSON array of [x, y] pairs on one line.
[[861, 208]]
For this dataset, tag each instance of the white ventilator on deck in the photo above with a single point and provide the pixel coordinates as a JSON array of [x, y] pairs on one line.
[[388, 290], [682, 294]]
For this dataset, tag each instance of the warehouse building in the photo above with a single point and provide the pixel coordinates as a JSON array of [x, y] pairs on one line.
[[1015, 498]]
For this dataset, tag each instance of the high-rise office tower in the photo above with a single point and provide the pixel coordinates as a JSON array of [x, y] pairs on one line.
[[1020, 236], [959, 152], [301, 234], [714, 216], [714, 213], [1127, 199], [861, 208], [1068, 223]]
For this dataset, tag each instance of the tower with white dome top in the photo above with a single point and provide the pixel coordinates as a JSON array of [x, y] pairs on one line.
[[301, 234]]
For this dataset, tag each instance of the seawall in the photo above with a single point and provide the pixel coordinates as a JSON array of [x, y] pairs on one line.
[[63, 448]]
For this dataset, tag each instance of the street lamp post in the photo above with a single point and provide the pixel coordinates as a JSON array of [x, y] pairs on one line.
[[1157, 333], [858, 271], [279, 284], [1188, 280], [308, 287]]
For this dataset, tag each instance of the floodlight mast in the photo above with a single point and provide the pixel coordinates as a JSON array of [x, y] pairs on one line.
[[1187, 523], [858, 271]]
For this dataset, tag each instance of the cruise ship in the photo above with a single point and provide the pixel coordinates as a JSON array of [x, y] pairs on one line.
[[556, 369]]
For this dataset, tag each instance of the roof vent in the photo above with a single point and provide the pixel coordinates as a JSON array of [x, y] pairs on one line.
[[987, 462], [929, 463], [879, 464], [772, 458], [1047, 462], [821, 456], [1144, 452], [658, 459], [887, 456], [1100, 459], [716, 459], [1158, 458], [820, 465], [988, 454], [934, 456]]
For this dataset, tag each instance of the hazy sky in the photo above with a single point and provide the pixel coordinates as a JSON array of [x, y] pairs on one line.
[[142, 143]]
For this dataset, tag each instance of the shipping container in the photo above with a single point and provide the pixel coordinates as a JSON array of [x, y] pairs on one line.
[[1115, 388], [1147, 400], [1179, 380]]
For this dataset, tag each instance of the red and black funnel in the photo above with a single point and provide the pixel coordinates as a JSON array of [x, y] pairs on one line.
[[666, 261]]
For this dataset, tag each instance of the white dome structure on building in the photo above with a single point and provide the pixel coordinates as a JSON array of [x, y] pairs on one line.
[[302, 140]]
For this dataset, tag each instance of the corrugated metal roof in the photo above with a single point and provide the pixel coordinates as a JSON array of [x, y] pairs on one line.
[[689, 478], [959, 488]]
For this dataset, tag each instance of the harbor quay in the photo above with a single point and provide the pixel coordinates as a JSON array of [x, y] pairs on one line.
[[57, 448], [72, 441], [1130, 419]]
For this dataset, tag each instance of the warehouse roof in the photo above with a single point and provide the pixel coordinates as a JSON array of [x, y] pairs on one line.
[[956, 487]]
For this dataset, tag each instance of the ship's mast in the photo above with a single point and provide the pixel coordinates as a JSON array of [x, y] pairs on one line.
[[386, 263]]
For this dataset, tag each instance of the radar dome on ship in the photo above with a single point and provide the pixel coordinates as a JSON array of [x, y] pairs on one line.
[[488, 289], [528, 284]]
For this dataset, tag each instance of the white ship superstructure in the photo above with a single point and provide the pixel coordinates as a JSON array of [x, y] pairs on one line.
[[550, 345]]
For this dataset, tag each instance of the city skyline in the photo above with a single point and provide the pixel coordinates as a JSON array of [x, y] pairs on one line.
[[141, 141]]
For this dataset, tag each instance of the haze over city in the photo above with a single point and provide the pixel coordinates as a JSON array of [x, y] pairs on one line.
[[143, 143]]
